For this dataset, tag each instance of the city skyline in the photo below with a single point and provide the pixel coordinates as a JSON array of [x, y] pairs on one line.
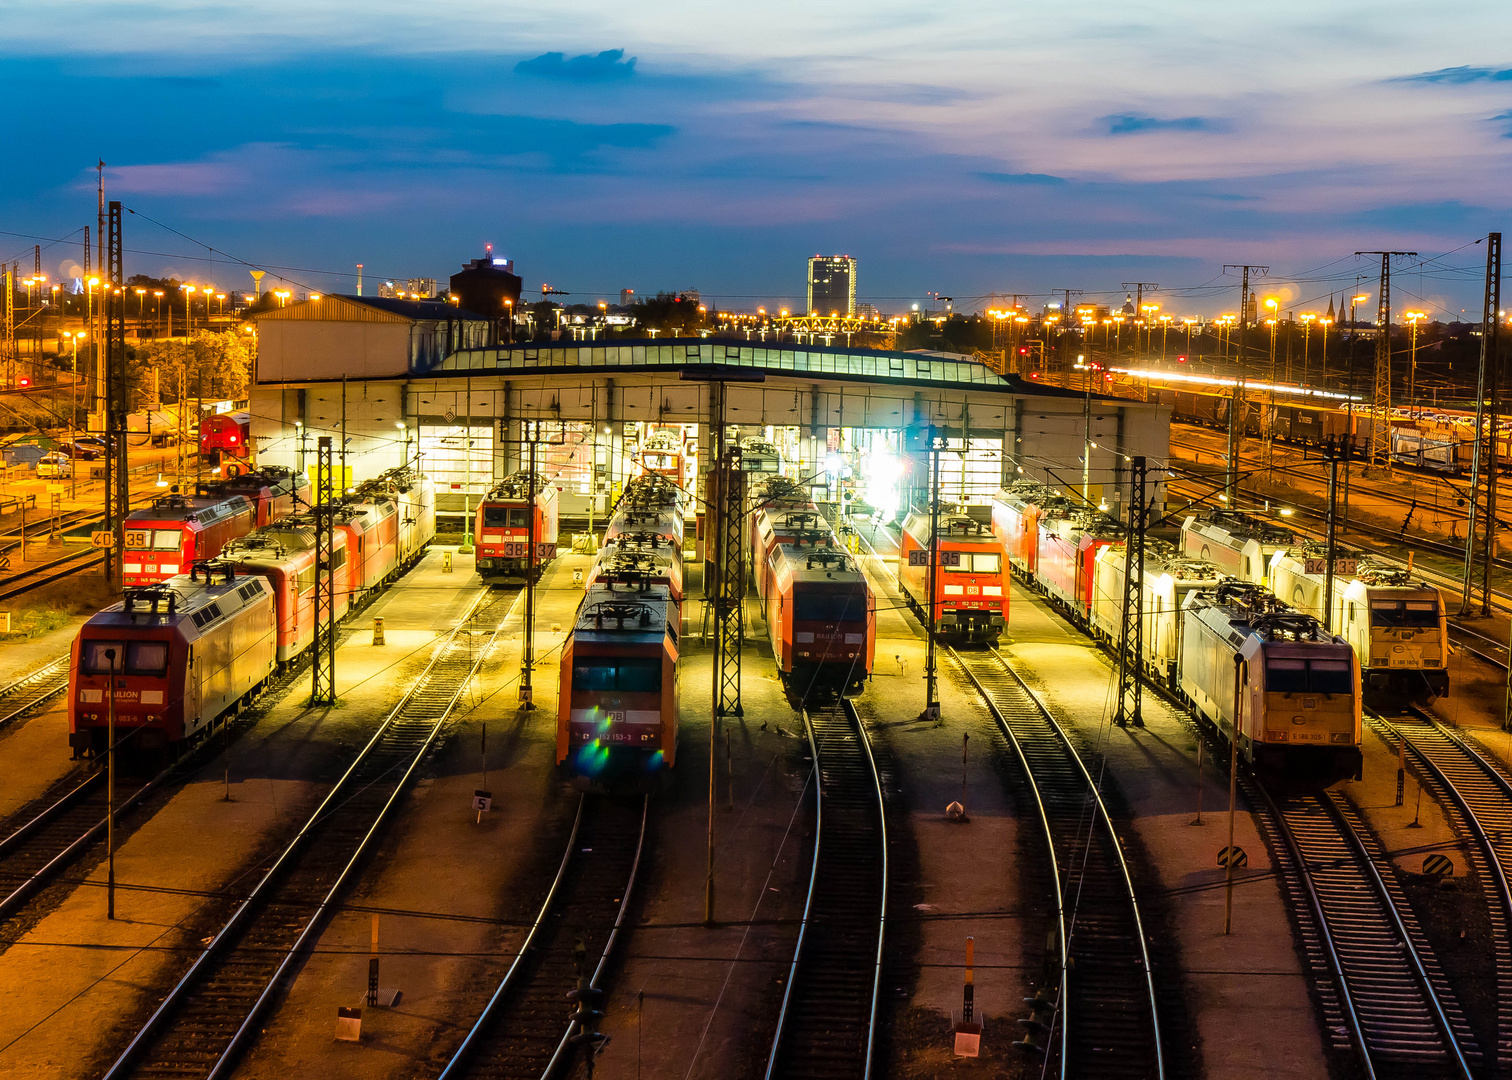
[[959, 155]]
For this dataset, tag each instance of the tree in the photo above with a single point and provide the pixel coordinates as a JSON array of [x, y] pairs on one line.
[[210, 365]]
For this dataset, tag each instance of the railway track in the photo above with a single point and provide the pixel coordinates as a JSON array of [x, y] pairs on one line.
[[826, 1028], [524, 1032], [1107, 1022], [213, 1013], [32, 689], [49, 572], [1486, 648], [1383, 995], [1476, 794]]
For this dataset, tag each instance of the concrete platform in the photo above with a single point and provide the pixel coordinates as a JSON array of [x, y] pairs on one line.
[[74, 987]]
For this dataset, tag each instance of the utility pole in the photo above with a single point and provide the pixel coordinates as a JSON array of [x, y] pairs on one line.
[[323, 662], [527, 657], [1235, 436], [1332, 449], [1483, 459], [931, 671], [1065, 321], [1379, 451], [117, 479], [1139, 288], [1131, 634]]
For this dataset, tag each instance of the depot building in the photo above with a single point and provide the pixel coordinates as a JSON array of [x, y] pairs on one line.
[[419, 381]]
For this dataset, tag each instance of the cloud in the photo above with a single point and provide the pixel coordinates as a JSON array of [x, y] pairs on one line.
[[1504, 118], [1021, 178], [1456, 76], [608, 66], [1133, 123]]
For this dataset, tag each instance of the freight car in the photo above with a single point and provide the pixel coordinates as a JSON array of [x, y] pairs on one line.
[[1299, 706], [971, 595], [1397, 626], [1239, 544], [515, 506], [174, 657], [162, 540]]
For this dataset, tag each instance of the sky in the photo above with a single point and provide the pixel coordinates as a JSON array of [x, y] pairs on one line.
[[972, 149]]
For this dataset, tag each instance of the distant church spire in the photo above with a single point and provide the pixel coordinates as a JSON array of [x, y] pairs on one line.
[[1330, 308]]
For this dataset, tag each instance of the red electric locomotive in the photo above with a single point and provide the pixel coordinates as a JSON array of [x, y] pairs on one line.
[[226, 435], [971, 597], [274, 491], [284, 555], [178, 530], [821, 617], [175, 658], [647, 555], [1065, 562], [1016, 513], [771, 526], [503, 524], [662, 455], [617, 707]]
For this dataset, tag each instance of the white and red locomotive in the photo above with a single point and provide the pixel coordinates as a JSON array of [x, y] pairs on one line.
[[971, 595], [503, 525]]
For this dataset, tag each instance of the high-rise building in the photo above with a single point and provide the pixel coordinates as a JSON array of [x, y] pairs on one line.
[[422, 288], [627, 297], [832, 285]]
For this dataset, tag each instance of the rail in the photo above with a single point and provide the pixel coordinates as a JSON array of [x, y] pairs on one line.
[[210, 1024], [539, 976], [1389, 999], [821, 1026], [1106, 934], [33, 688]]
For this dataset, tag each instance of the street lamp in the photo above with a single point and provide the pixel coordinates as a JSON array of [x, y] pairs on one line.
[[282, 294], [189, 291], [157, 310], [1413, 317], [1307, 319]]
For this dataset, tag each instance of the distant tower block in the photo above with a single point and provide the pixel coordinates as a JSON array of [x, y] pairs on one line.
[[832, 285], [627, 297]]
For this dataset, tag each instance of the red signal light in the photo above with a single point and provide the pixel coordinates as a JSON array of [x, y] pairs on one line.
[[25, 382], [1023, 352], [1182, 359]]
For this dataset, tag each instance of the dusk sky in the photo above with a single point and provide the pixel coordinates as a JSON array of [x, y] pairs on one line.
[[964, 149]]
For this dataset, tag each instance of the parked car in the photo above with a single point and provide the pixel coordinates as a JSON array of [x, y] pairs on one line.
[[55, 466], [81, 450]]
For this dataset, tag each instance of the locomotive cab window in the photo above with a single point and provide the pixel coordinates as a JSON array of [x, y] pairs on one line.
[[147, 658], [1396, 613], [94, 660], [636, 676], [1284, 676], [506, 517], [977, 563], [829, 607]]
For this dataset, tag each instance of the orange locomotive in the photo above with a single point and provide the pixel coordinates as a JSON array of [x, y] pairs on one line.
[[971, 595]]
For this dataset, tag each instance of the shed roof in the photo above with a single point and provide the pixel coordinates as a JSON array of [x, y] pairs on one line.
[[340, 307]]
